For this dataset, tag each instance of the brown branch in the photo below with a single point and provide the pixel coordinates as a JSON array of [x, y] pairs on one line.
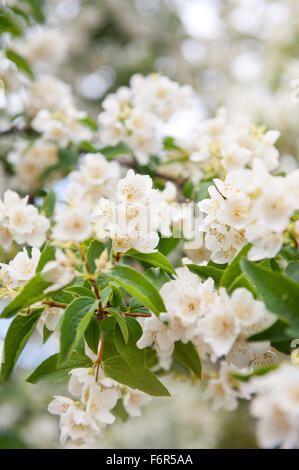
[[99, 359], [55, 304], [295, 241], [136, 314]]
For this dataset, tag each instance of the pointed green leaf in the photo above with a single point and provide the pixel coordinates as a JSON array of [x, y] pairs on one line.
[[187, 355], [139, 287], [31, 293], [156, 259], [74, 323], [116, 368], [206, 271], [16, 338], [279, 293], [49, 371]]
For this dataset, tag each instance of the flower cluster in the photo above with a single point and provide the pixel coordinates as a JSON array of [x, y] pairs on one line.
[[250, 205], [30, 162], [233, 143], [95, 178], [215, 323], [21, 222], [276, 407], [136, 114], [19, 270], [85, 419], [133, 221]]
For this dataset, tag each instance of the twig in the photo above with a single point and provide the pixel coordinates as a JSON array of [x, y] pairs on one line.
[[55, 304], [99, 359], [136, 314]]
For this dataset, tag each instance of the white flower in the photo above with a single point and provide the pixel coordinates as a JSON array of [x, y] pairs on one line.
[[222, 389], [135, 188], [275, 207], [276, 406], [266, 243], [43, 44], [50, 319], [48, 93], [100, 402], [60, 405], [79, 378], [248, 310], [156, 332], [22, 268], [133, 400], [21, 221], [72, 223], [220, 328], [80, 426], [60, 272], [235, 157], [187, 297]]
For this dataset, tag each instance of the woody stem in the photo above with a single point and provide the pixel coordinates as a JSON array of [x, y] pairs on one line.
[[55, 304], [99, 359]]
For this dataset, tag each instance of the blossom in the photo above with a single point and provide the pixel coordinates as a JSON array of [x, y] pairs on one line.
[[21, 268], [276, 407], [95, 178], [21, 221], [131, 222], [220, 328], [60, 272], [72, 223], [223, 389], [133, 400]]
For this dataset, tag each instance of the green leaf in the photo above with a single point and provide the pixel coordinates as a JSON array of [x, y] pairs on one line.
[[48, 205], [206, 271], [20, 62], [139, 287], [279, 293], [75, 321], [203, 192], [106, 294], [136, 306], [233, 271], [121, 323], [49, 371], [116, 368], [188, 189], [32, 292], [166, 245], [187, 355], [95, 249], [37, 7], [127, 348], [81, 291], [156, 259], [48, 254], [289, 253], [256, 373], [93, 333], [68, 157], [276, 335], [292, 271], [114, 151], [242, 281], [89, 122], [119, 411], [46, 334], [16, 338], [9, 22], [157, 277]]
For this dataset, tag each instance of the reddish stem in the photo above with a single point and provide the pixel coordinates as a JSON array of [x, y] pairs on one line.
[[99, 357]]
